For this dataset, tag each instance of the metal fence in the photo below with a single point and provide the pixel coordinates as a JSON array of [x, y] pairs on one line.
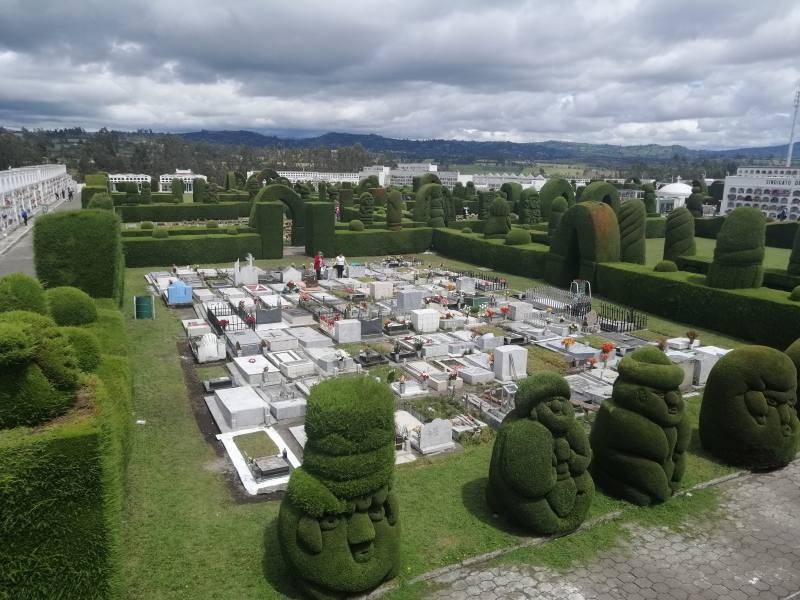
[[622, 319]]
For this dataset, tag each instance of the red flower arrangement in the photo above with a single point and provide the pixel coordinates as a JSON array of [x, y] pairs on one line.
[[505, 310], [489, 313], [607, 348], [250, 320], [223, 323]]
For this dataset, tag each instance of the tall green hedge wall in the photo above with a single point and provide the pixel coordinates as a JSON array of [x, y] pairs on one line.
[[80, 249], [320, 228], [285, 194], [183, 212], [266, 218], [190, 249], [679, 235], [381, 242], [632, 231], [602, 191], [739, 253], [527, 260], [88, 191], [549, 191]]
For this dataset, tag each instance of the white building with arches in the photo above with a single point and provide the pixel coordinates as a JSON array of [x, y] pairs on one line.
[[771, 189], [31, 189]]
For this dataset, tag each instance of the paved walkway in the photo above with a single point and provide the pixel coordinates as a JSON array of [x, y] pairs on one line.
[[752, 551], [16, 250]]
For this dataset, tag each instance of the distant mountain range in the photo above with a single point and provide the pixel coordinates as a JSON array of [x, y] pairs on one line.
[[469, 151]]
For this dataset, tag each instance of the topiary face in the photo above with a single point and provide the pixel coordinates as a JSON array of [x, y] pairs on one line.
[[648, 384], [346, 552], [545, 398]]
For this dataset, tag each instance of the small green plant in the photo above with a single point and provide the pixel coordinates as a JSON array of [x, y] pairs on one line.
[[356, 225], [466, 230], [517, 237], [160, 233], [71, 306], [666, 266], [146, 225], [232, 231], [212, 225]]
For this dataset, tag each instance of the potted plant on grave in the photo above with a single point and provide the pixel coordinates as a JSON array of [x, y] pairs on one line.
[[505, 310], [661, 343], [223, 323], [591, 362], [567, 343], [692, 336], [418, 346]]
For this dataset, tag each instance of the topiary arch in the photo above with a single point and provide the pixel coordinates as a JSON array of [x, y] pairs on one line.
[[602, 191], [294, 203], [549, 192], [587, 235]]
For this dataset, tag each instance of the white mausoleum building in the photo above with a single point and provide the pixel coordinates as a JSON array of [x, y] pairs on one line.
[[185, 175], [31, 189], [770, 189], [137, 178]]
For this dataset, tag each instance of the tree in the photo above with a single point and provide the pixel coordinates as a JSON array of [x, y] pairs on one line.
[[177, 189]]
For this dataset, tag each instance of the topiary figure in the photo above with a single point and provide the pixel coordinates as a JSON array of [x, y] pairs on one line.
[[212, 224], [679, 234], [538, 476], [557, 210], [650, 203], [550, 191], [366, 208], [739, 253], [86, 346], [356, 225], [19, 291], [102, 201], [338, 524], [694, 203], [666, 266], [437, 212], [530, 209], [513, 193], [394, 210], [795, 294], [71, 306], [146, 225], [641, 433], [632, 224], [602, 191], [748, 415], [160, 233], [794, 258], [498, 224], [39, 372], [517, 237], [793, 352]]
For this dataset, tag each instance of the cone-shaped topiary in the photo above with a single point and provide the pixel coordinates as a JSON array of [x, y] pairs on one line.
[[366, 208], [550, 191], [499, 223], [666, 266], [537, 476], [632, 224], [394, 210], [748, 416], [517, 237], [641, 433], [437, 212], [739, 253], [338, 525], [71, 306], [679, 234], [650, 203], [602, 191], [794, 258], [557, 210], [694, 203], [19, 291]]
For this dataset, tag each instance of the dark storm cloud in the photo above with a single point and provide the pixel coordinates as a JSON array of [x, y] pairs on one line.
[[711, 73]]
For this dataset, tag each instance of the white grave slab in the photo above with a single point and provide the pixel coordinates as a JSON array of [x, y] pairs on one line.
[[208, 348], [310, 338], [520, 311], [291, 363], [347, 331], [425, 320], [380, 290], [195, 327], [408, 300], [232, 294], [291, 408], [256, 369], [238, 408], [488, 342], [278, 339], [510, 363], [476, 375], [203, 295], [291, 274], [331, 360]]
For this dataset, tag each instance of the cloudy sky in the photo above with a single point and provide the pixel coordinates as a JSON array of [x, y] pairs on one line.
[[704, 73]]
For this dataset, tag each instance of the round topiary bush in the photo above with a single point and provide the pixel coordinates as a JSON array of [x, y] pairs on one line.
[[666, 266], [739, 253], [71, 306], [795, 294], [466, 230], [102, 201], [212, 225], [232, 231], [356, 225], [498, 223], [338, 525], [29, 319], [86, 346], [641, 433], [160, 233], [146, 225], [679, 234], [19, 291], [517, 237], [537, 475], [748, 416]]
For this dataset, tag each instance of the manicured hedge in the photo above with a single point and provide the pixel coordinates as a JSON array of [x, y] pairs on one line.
[[655, 227], [632, 218], [739, 252], [525, 260], [778, 235], [90, 190], [679, 235], [296, 212], [320, 228], [80, 249], [762, 316], [382, 242], [187, 230], [183, 212], [190, 249], [19, 291], [266, 219], [602, 191], [71, 306], [552, 189], [776, 279]]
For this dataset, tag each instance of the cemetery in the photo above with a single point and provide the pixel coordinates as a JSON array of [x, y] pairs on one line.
[[518, 379]]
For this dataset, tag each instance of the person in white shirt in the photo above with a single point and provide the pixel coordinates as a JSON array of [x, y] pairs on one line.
[[339, 264]]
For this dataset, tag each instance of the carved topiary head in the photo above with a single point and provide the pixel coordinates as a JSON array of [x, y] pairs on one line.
[[499, 207], [544, 397], [338, 524], [648, 384], [748, 413]]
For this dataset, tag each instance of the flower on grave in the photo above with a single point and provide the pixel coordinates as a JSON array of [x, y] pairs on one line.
[[604, 358], [250, 320], [424, 376], [489, 313], [505, 310], [291, 285], [592, 361], [692, 335], [607, 348], [567, 342], [223, 323]]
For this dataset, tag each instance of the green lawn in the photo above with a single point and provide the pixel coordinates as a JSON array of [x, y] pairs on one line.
[[774, 258], [256, 444], [187, 535]]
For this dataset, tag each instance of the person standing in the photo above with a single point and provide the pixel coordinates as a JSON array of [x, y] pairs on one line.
[[339, 264], [25, 216], [319, 262]]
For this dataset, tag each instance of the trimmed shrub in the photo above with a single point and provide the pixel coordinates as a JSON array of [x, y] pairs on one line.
[[708, 227], [146, 225], [422, 200], [346, 198], [356, 225], [466, 230], [679, 235], [342, 495], [212, 225], [793, 352], [694, 203], [81, 249], [199, 190], [394, 212], [177, 188], [632, 242], [190, 249], [498, 224], [366, 208], [739, 253], [102, 201], [86, 346], [655, 227], [665, 266], [557, 210], [320, 228], [160, 233], [588, 234], [550, 191], [650, 204], [602, 191], [794, 258], [71, 306], [19, 291], [266, 218], [641, 433], [376, 242], [437, 211], [748, 415], [528, 261], [232, 231], [795, 294], [538, 473], [513, 193], [518, 237], [278, 192], [530, 207], [184, 212]]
